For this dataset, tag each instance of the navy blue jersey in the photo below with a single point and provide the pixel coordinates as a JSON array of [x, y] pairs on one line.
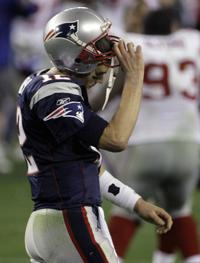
[[58, 133]]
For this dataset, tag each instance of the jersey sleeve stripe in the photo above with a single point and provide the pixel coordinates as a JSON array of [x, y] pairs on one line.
[[50, 89]]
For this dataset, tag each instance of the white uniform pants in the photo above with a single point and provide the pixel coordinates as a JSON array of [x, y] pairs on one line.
[[73, 235]]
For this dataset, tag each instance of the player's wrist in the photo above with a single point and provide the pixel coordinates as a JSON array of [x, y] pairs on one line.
[[118, 193], [139, 204]]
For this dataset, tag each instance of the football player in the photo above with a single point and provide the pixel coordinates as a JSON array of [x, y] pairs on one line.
[[161, 161], [60, 135]]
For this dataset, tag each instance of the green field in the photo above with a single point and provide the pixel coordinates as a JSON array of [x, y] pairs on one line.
[[16, 206]]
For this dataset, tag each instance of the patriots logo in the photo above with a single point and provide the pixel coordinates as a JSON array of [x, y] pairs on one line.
[[68, 110], [63, 30]]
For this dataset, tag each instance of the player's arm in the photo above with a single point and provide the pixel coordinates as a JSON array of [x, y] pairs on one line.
[[116, 134], [124, 196], [97, 98]]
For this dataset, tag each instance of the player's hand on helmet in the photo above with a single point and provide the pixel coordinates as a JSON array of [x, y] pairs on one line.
[[154, 215], [130, 58]]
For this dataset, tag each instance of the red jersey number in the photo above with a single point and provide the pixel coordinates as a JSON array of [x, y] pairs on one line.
[[157, 76]]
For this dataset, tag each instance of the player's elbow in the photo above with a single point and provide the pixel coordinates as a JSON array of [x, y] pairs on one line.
[[113, 142], [118, 146], [114, 147]]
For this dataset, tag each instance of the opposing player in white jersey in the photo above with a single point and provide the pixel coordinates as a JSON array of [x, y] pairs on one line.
[[162, 159]]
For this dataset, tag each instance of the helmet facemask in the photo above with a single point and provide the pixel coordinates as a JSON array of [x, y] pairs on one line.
[[99, 50]]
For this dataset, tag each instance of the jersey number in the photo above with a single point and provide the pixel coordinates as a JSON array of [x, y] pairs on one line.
[[157, 76], [31, 164]]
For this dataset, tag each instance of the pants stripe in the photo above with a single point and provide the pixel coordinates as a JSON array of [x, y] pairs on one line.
[[87, 224], [82, 236], [71, 234]]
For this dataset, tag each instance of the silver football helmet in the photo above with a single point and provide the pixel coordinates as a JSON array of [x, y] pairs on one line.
[[77, 39]]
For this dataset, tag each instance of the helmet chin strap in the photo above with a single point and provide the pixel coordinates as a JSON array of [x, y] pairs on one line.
[[111, 81]]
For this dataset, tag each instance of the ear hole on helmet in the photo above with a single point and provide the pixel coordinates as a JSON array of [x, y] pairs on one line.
[[85, 57], [78, 60]]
